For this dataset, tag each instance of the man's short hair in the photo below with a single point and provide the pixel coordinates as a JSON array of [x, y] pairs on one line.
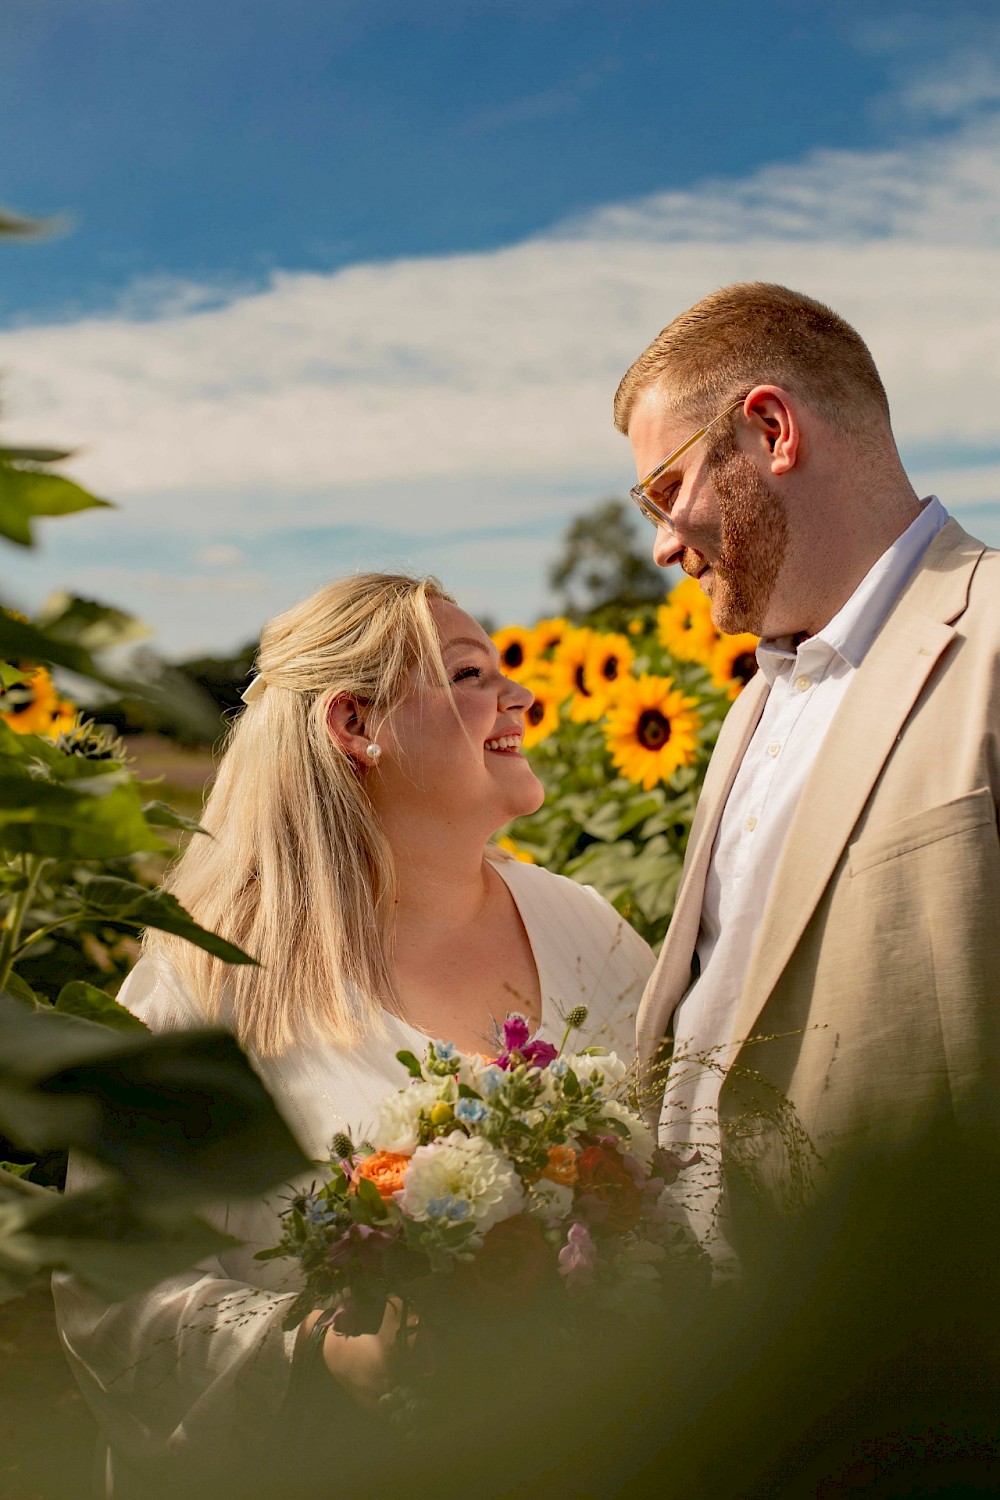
[[755, 333]]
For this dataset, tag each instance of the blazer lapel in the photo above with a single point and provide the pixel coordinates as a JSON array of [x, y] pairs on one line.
[[672, 974], [856, 747]]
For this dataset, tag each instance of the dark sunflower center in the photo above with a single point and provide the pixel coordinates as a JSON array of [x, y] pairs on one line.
[[687, 622], [653, 730], [514, 655], [744, 666], [609, 668], [535, 714], [580, 684]]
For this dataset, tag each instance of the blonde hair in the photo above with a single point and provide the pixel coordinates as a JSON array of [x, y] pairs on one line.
[[752, 333], [298, 871]]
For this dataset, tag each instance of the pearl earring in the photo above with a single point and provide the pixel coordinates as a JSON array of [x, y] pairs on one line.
[[373, 751]]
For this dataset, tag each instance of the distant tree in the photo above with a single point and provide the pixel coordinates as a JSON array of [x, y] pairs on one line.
[[605, 566]]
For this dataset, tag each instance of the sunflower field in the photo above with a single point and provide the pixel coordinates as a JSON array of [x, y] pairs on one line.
[[620, 734]]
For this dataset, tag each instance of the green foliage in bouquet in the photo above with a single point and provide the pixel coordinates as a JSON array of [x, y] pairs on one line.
[[496, 1181], [620, 734]]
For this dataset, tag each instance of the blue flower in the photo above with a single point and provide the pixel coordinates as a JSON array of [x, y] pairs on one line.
[[471, 1111], [558, 1068], [491, 1080], [449, 1207], [445, 1051]]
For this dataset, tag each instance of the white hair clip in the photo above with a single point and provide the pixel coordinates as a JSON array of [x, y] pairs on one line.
[[254, 690]]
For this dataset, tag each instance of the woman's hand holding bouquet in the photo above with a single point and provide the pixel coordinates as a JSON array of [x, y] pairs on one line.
[[489, 1183]]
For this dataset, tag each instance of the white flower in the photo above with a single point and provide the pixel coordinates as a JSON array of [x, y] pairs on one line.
[[608, 1069], [398, 1119], [549, 1200], [640, 1141], [471, 1068], [467, 1168]]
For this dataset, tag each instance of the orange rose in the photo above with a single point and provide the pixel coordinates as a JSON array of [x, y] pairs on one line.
[[562, 1165], [386, 1169]]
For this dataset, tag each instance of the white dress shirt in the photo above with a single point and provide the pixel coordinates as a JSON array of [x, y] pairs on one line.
[[807, 685]]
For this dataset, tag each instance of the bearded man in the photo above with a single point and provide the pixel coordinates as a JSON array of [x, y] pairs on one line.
[[841, 892]]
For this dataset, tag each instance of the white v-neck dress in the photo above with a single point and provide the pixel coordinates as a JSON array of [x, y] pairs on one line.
[[201, 1362]]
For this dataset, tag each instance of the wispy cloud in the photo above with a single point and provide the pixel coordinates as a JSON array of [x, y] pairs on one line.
[[431, 398]]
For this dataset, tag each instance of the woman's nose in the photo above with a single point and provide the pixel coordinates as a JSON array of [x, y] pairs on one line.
[[516, 695]]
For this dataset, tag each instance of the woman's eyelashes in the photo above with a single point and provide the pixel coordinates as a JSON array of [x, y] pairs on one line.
[[465, 672]]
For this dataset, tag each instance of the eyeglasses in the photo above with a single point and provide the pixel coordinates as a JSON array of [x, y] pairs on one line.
[[651, 508]]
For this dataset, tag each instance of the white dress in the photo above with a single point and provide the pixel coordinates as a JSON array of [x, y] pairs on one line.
[[201, 1363]]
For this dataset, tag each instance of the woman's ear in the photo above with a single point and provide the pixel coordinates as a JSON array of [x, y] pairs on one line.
[[346, 721]]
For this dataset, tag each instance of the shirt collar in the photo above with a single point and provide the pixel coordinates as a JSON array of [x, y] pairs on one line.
[[853, 628]]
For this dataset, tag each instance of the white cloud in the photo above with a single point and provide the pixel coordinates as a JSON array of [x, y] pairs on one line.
[[431, 395], [222, 555]]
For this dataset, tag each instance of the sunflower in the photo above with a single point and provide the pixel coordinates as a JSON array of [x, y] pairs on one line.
[[36, 708], [651, 730], [511, 847], [568, 679], [543, 715], [517, 651], [685, 623], [547, 635], [733, 662], [608, 662]]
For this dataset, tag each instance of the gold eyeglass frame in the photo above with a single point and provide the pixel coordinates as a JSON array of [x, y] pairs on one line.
[[653, 512]]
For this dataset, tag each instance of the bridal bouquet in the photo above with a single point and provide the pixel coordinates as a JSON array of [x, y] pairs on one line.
[[493, 1180]]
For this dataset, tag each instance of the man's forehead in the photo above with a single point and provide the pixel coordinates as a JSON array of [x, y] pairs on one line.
[[655, 421]]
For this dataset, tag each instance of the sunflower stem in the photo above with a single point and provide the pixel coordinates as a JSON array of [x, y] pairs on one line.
[[33, 866]]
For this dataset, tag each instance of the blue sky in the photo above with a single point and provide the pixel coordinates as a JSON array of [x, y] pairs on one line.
[[344, 287]]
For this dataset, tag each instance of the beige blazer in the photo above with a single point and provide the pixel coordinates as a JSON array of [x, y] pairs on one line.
[[876, 969]]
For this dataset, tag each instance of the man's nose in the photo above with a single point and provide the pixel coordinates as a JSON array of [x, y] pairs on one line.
[[667, 549]]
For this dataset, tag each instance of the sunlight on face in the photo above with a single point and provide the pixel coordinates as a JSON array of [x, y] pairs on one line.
[[453, 754]]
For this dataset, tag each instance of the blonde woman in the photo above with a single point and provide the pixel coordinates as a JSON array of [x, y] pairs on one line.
[[349, 853]]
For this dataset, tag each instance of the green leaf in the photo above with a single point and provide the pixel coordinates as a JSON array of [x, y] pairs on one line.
[[163, 816], [86, 623], [16, 988], [181, 1117], [571, 1084], [20, 455], [16, 1168], [115, 1243], [410, 1063], [370, 1197], [12, 676], [126, 901], [98, 816], [20, 641], [78, 998], [26, 494]]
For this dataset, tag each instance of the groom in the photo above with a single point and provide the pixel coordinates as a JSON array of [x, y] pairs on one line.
[[841, 892]]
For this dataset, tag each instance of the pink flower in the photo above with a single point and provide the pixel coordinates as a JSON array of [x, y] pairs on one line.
[[520, 1047], [577, 1258]]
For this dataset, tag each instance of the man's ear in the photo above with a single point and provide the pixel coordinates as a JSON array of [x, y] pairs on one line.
[[346, 721], [772, 413]]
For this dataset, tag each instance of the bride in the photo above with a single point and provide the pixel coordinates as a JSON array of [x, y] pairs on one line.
[[349, 852]]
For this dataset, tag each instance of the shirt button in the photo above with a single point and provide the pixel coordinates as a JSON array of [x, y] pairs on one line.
[[774, 750], [802, 684], [751, 823]]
